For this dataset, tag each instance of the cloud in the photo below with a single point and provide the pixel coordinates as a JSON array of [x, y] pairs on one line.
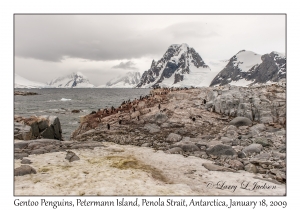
[[98, 38], [193, 29], [102, 37], [47, 46], [127, 65]]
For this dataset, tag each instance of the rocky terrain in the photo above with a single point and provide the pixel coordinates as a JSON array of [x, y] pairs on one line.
[[214, 130], [24, 93], [238, 128]]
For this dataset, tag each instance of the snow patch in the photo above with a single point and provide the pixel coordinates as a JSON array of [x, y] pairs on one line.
[[74, 80], [21, 82], [247, 59], [241, 82]]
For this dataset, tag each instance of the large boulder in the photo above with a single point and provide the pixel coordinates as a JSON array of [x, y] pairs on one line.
[[240, 121], [173, 137], [55, 124], [251, 168], [220, 149], [190, 147], [258, 128], [71, 156], [22, 132], [174, 150], [23, 170], [45, 126], [152, 128], [263, 141], [213, 167], [253, 148], [236, 164], [160, 118]]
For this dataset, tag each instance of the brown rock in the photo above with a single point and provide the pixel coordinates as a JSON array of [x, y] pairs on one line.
[[213, 167], [23, 170], [71, 156], [235, 164]]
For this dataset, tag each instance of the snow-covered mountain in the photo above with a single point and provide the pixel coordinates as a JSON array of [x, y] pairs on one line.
[[129, 80], [247, 68], [74, 80], [21, 82], [180, 66]]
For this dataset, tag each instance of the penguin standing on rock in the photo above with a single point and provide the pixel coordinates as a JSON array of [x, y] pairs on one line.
[[120, 121], [108, 126], [158, 106], [204, 101]]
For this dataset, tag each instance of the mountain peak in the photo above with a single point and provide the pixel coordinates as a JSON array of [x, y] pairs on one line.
[[127, 80], [78, 73], [179, 66], [21, 82], [241, 51], [184, 45], [247, 68], [73, 80], [278, 53]]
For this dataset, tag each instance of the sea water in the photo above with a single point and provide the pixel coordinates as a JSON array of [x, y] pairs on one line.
[[60, 102]]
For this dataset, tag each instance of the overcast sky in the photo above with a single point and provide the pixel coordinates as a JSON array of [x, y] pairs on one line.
[[104, 46]]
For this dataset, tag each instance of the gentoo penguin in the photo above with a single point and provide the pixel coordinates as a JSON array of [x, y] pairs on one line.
[[108, 126]]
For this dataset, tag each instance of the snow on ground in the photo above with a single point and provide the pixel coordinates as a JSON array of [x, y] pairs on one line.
[[246, 60], [68, 81], [125, 80], [198, 77], [130, 170], [21, 82], [168, 82], [216, 65], [241, 82]]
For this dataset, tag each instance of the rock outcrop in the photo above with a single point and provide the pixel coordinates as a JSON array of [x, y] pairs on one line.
[[37, 127], [263, 104], [23, 170], [24, 93]]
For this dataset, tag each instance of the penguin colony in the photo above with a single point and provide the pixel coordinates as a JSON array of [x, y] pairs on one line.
[[128, 107]]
